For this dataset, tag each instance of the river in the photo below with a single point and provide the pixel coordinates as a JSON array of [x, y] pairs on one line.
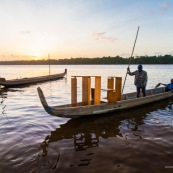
[[32, 141]]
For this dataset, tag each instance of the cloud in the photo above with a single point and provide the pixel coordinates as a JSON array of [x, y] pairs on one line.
[[12, 55], [2, 56], [125, 55], [19, 56], [165, 7], [103, 36], [22, 56], [170, 53], [25, 32], [158, 53]]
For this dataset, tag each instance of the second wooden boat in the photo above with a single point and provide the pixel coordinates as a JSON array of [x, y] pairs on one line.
[[31, 80]]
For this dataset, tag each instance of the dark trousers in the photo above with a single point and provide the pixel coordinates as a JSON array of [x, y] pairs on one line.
[[167, 89], [139, 90]]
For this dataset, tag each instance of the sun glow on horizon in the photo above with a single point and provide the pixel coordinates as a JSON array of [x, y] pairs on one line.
[[35, 56]]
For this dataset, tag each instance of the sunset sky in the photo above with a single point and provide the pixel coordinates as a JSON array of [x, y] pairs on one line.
[[32, 29]]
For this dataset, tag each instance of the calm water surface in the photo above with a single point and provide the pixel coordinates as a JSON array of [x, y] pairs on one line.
[[31, 141]]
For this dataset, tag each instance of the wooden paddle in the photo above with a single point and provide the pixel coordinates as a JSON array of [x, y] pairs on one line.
[[158, 85]]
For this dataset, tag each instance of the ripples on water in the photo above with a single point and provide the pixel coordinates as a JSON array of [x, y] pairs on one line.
[[32, 141]]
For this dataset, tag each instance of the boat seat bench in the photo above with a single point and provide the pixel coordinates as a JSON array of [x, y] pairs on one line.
[[107, 89]]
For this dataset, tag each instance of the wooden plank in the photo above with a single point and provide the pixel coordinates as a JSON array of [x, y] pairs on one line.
[[73, 91], [85, 76], [107, 89], [97, 92], [118, 87], [86, 90], [92, 93], [110, 85], [89, 91]]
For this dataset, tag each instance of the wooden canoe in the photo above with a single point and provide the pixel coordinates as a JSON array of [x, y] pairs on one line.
[[31, 80], [127, 101]]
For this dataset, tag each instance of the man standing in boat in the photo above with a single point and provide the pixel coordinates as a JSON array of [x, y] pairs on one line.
[[140, 79]]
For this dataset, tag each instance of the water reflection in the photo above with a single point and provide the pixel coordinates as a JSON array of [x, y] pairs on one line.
[[170, 107], [85, 140], [161, 116], [87, 132], [3, 96]]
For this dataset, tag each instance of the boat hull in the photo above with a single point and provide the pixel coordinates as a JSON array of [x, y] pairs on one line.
[[68, 111]]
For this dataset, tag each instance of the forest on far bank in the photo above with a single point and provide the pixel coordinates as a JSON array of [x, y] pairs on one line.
[[165, 59]]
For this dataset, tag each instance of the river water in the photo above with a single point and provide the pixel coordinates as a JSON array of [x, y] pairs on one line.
[[32, 141]]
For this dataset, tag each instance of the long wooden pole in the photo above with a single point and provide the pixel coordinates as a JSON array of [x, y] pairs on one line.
[[130, 58]]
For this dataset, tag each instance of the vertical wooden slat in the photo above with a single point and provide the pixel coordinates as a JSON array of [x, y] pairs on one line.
[[92, 93], [118, 87], [89, 91], [74, 91], [110, 85], [97, 93], [84, 84], [86, 90], [114, 96]]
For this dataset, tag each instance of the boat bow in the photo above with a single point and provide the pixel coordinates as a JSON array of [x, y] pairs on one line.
[[44, 102]]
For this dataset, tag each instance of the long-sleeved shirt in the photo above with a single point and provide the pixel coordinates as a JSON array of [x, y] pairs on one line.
[[140, 78]]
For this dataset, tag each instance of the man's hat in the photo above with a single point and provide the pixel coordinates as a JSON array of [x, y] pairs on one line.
[[139, 66]]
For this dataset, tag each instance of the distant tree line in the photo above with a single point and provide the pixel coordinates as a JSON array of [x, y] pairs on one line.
[[166, 59]]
